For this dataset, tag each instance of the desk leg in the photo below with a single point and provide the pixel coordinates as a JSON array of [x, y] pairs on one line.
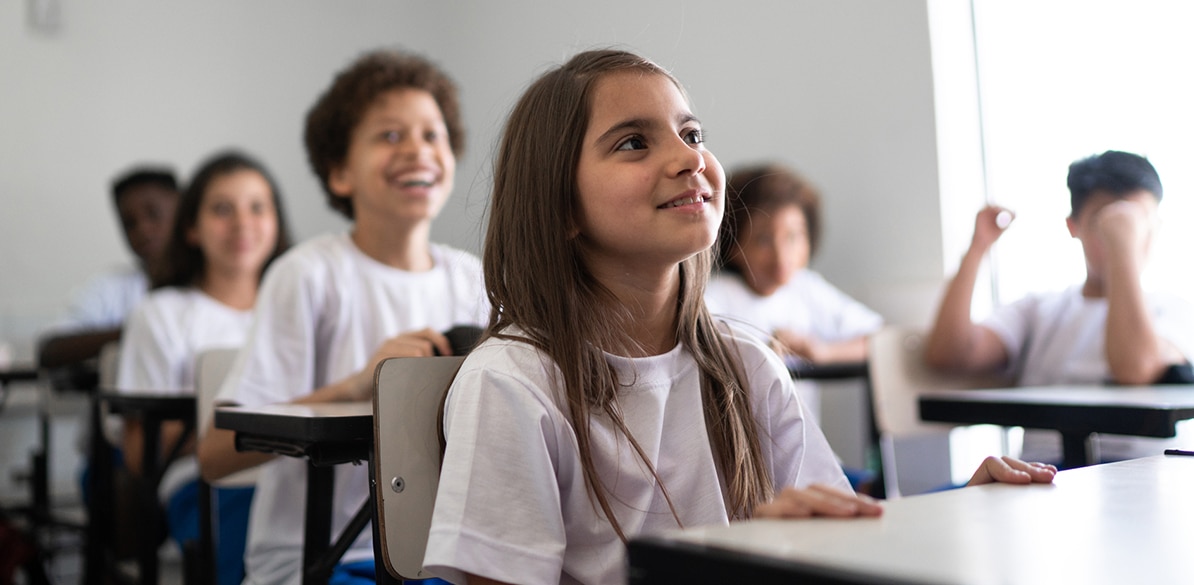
[[1075, 450], [99, 502], [147, 550], [318, 523]]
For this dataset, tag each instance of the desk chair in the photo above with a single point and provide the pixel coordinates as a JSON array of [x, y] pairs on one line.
[[407, 430], [916, 456], [211, 368]]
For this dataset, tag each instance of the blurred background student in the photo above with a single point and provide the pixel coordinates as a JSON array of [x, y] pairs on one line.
[[145, 199], [229, 227]]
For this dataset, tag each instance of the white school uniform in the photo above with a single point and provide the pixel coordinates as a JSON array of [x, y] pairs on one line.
[[323, 309], [1058, 338], [807, 305], [105, 301], [161, 340], [512, 502]]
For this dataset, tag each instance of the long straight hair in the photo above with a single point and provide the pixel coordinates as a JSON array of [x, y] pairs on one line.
[[538, 282], [183, 263]]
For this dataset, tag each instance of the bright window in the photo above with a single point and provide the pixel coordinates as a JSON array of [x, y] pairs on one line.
[[1062, 79]]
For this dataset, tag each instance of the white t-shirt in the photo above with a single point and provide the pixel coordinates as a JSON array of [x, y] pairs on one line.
[[807, 304], [323, 309], [161, 340], [512, 503], [1058, 338], [105, 301]]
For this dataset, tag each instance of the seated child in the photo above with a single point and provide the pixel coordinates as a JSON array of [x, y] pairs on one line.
[[383, 139], [229, 227], [606, 403], [1106, 329], [767, 240], [145, 199]]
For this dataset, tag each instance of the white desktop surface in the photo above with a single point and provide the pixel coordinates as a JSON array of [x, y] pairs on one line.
[[1127, 522]]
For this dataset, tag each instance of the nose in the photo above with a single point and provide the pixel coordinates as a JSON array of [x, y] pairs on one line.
[[686, 159]]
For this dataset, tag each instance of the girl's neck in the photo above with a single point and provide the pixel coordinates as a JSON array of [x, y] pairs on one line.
[[651, 307], [1093, 288], [402, 247], [238, 291]]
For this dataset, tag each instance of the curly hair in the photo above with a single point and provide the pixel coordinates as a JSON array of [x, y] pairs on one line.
[[335, 115], [766, 188]]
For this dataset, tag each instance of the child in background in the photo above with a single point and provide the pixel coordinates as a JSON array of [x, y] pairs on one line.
[[145, 199], [1108, 329], [606, 402], [383, 140], [770, 234], [229, 227]]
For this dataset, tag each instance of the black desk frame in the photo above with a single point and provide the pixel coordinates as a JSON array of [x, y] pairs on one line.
[[325, 442]]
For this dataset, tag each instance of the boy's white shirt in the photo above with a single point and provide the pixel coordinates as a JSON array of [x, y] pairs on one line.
[[1058, 338], [323, 310], [807, 304], [161, 340], [512, 503], [105, 301]]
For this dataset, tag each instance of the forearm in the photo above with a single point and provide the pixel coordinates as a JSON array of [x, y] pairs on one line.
[[63, 350], [1135, 355], [951, 339], [853, 350], [219, 458]]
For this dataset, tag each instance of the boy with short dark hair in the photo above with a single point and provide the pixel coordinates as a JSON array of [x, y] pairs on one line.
[[1106, 330], [145, 198], [383, 140]]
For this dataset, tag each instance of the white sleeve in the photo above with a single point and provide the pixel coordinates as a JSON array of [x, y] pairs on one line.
[[840, 317], [1012, 324], [278, 360], [498, 509], [1173, 320], [148, 353], [799, 453]]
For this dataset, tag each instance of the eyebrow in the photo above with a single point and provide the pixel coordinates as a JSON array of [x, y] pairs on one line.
[[641, 124]]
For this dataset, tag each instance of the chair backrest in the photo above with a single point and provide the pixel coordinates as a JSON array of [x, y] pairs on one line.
[[916, 456], [899, 376], [108, 364], [406, 434], [211, 367]]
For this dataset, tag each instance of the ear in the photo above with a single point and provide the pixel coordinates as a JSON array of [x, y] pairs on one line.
[[193, 236], [340, 182], [1072, 225]]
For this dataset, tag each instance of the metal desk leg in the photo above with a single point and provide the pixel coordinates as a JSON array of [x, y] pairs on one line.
[[99, 502], [1075, 450], [147, 550], [318, 523]]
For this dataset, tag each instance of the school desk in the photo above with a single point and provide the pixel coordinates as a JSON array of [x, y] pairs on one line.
[[1075, 411], [326, 435], [802, 370], [1126, 522], [152, 410]]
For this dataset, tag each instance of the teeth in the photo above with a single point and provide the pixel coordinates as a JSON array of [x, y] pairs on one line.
[[684, 201], [417, 183]]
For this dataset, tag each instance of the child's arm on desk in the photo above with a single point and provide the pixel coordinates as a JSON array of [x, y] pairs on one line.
[[1011, 470], [359, 386], [956, 342], [789, 342], [1135, 354]]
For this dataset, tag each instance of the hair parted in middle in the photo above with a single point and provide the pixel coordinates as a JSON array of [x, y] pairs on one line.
[[183, 263], [539, 285], [335, 115]]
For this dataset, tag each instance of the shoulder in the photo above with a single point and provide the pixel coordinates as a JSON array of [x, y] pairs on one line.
[[507, 367], [315, 260], [455, 259]]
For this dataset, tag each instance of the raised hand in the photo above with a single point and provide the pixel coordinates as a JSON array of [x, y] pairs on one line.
[[989, 224]]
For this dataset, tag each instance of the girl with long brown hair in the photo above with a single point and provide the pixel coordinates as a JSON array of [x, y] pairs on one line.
[[605, 402]]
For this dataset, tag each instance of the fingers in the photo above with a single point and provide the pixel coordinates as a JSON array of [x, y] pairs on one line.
[[818, 500], [1011, 470]]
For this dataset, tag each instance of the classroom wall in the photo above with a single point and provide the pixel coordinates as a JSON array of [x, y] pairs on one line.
[[841, 89]]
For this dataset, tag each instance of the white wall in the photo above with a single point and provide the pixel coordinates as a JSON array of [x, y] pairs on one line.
[[841, 89]]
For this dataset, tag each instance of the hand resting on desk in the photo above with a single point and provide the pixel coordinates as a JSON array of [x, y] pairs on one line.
[[820, 500]]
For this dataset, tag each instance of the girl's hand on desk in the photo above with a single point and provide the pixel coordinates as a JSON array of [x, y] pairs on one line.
[[818, 500], [1011, 470]]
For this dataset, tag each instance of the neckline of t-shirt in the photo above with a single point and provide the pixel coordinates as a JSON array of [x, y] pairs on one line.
[[372, 264]]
